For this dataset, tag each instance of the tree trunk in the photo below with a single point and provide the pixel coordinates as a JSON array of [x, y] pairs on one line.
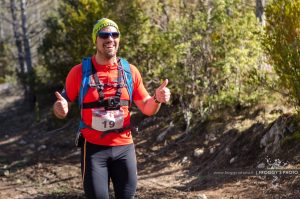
[[25, 70], [25, 36], [1, 42], [17, 36], [15, 25], [260, 4], [1, 21], [30, 76]]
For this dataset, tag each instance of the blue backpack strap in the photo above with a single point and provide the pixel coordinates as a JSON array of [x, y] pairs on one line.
[[86, 72], [127, 76]]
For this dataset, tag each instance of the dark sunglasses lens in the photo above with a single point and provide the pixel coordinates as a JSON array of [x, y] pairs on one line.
[[115, 34], [105, 35]]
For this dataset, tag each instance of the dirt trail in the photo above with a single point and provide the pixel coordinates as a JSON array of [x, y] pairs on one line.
[[38, 160]]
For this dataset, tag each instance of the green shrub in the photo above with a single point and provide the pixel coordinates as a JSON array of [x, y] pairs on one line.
[[282, 45]]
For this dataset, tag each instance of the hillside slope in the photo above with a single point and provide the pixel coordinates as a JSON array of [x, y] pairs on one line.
[[38, 159]]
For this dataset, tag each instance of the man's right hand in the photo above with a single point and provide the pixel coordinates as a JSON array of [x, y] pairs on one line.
[[60, 107]]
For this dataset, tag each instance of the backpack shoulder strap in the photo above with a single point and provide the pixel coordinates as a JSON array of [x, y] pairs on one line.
[[86, 72], [127, 76]]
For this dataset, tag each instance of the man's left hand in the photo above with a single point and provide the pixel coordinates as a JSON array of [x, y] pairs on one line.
[[163, 92]]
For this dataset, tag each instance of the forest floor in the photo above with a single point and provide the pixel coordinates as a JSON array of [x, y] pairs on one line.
[[217, 160]]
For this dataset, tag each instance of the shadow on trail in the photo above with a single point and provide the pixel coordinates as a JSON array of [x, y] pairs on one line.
[[141, 194], [36, 148], [223, 150], [61, 196], [29, 138]]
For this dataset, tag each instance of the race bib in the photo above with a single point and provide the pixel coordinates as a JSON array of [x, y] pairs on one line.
[[104, 120]]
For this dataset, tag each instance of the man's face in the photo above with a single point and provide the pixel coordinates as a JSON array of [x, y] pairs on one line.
[[108, 47]]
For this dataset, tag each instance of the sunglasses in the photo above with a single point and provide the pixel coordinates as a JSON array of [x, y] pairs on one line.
[[105, 35]]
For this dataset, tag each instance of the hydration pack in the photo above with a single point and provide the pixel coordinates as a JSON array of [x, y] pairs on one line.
[[114, 102]]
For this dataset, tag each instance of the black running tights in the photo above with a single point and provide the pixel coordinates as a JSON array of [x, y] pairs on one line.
[[99, 164]]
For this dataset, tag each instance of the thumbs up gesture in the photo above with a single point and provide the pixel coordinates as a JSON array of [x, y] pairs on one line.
[[162, 93], [60, 107]]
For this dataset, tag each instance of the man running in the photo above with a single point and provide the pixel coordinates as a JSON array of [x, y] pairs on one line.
[[107, 151]]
